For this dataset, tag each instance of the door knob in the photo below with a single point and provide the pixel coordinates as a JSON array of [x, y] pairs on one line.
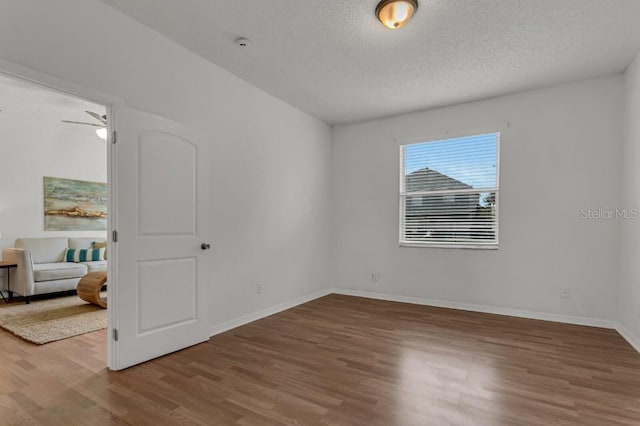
[[205, 246]]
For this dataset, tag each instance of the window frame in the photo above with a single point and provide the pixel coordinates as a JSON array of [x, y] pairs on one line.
[[402, 195]]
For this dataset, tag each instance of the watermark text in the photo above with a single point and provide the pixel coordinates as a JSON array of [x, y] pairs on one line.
[[607, 214]]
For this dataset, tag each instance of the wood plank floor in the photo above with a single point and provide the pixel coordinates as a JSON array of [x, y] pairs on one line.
[[338, 360]]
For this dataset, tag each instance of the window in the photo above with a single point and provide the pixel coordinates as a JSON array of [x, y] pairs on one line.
[[449, 192]]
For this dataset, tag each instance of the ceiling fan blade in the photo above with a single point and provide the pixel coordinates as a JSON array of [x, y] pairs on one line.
[[100, 118], [80, 122]]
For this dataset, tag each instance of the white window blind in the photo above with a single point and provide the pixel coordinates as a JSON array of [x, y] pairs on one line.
[[449, 192]]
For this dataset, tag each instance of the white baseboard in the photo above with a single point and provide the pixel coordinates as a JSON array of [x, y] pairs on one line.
[[628, 336], [545, 316], [254, 316]]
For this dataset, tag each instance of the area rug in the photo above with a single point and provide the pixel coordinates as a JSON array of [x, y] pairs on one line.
[[44, 321]]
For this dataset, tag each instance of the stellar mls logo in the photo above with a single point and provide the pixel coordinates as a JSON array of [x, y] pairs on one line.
[[606, 214]]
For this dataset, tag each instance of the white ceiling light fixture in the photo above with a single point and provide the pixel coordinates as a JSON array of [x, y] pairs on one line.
[[102, 133], [395, 14], [102, 126]]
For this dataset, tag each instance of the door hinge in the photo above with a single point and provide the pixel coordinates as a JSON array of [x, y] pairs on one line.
[[115, 334], [114, 236], [113, 137]]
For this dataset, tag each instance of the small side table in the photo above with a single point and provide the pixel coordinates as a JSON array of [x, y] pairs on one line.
[[7, 266]]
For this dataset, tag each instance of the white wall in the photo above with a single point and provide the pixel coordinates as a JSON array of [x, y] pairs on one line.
[[560, 153], [35, 143], [629, 290], [270, 161], [30, 150], [272, 164]]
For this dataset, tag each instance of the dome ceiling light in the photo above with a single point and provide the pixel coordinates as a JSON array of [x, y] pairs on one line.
[[394, 14]]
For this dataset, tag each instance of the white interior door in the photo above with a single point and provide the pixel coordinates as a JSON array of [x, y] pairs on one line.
[[160, 180]]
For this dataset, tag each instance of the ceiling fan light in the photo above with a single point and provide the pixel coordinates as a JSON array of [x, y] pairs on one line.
[[102, 133], [394, 14]]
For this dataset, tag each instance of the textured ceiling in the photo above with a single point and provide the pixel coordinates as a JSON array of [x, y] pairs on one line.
[[332, 59]]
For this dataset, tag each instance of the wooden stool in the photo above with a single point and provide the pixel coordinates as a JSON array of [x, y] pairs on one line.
[[89, 288]]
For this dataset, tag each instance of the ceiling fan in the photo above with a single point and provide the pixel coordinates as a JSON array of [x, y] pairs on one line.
[[102, 127]]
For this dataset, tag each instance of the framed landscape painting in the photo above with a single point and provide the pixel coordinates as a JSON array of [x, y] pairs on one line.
[[74, 205]]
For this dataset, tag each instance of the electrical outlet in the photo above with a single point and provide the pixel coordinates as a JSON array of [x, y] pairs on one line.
[[258, 288], [565, 293], [375, 276]]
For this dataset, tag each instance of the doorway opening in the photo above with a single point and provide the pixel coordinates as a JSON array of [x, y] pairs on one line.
[[158, 190], [54, 197]]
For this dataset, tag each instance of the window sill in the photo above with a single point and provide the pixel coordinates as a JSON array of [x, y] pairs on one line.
[[493, 246]]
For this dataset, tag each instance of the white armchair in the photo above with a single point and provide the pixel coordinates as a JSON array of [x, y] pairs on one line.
[[22, 278]]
